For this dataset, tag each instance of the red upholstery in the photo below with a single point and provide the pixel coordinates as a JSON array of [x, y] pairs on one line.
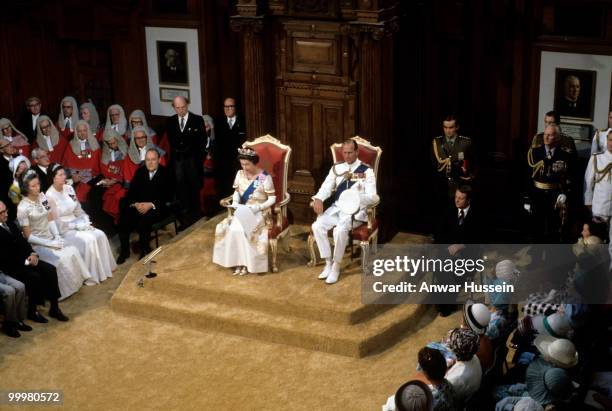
[[366, 155], [275, 230], [272, 159], [362, 233]]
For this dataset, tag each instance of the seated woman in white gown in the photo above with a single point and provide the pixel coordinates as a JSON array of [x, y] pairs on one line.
[[253, 188], [33, 216], [76, 229]]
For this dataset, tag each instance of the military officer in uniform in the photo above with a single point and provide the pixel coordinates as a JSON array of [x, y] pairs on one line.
[[551, 166], [351, 174], [600, 137], [453, 160], [598, 186], [552, 118]]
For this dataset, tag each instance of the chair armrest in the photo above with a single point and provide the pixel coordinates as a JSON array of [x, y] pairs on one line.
[[278, 209], [371, 210], [225, 202]]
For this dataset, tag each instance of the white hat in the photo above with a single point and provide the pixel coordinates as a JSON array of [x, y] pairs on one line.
[[558, 351], [477, 317], [348, 202], [527, 404], [556, 325], [506, 270]]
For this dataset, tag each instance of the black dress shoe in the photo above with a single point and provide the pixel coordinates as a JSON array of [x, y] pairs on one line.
[[58, 315], [37, 317], [121, 259], [21, 326], [10, 330]]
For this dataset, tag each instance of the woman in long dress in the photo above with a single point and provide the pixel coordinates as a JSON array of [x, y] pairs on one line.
[[247, 252], [33, 216], [76, 229]]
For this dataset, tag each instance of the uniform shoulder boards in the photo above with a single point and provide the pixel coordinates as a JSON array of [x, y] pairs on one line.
[[567, 149], [465, 138]]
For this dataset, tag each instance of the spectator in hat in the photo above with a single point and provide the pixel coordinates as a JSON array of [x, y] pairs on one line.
[[518, 404], [466, 373], [411, 396], [476, 317], [503, 313], [544, 383]]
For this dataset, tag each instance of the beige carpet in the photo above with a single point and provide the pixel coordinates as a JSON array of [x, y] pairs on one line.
[[103, 360]]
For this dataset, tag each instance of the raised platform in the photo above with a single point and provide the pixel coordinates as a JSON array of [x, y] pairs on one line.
[[289, 307]]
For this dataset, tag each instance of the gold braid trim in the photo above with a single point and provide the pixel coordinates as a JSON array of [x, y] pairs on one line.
[[601, 174], [442, 163], [537, 167]]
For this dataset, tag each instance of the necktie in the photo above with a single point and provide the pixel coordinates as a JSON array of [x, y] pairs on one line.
[[182, 123], [549, 154], [461, 217], [231, 123], [68, 125], [115, 127]]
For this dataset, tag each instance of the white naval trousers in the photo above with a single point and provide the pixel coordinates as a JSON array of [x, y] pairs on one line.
[[341, 223]]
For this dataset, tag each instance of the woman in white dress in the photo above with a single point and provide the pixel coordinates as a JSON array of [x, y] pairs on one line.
[[76, 229], [247, 252], [33, 216]]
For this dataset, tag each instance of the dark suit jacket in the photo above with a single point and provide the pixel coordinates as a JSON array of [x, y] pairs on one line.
[[225, 151], [6, 179], [157, 191], [15, 249], [191, 142], [470, 232]]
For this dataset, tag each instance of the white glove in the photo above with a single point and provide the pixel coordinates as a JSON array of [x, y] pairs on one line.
[[254, 208], [527, 207], [561, 199], [54, 230], [55, 243], [83, 226]]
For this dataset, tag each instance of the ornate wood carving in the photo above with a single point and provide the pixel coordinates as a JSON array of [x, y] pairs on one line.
[[255, 96]]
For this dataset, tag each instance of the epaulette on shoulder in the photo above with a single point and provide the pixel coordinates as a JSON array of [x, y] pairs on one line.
[[567, 149], [465, 138]]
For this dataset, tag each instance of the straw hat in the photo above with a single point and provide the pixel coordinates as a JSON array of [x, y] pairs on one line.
[[477, 317], [557, 351], [556, 325]]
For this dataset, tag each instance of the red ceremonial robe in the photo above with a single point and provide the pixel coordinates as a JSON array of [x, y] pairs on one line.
[[113, 194], [88, 162]]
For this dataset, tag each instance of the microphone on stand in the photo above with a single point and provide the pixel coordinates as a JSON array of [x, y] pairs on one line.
[[148, 261]]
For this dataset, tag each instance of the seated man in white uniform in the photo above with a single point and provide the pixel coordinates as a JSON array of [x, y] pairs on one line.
[[350, 174]]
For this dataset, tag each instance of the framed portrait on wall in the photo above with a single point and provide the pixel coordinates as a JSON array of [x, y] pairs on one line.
[[173, 67], [575, 93], [172, 63]]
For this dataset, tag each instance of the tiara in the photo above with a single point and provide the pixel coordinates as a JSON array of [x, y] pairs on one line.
[[29, 173], [249, 152]]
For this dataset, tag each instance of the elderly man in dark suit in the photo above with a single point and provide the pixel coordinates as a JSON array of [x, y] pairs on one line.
[[19, 261], [230, 134], [187, 138], [27, 124], [145, 204]]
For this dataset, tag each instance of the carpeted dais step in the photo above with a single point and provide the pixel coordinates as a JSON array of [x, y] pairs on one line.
[[289, 307], [355, 340]]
